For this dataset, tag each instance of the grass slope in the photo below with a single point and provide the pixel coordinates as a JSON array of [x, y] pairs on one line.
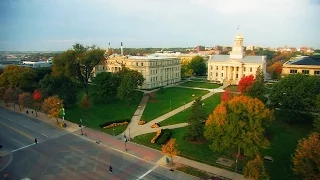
[[210, 103], [160, 103], [200, 85], [101, 112]]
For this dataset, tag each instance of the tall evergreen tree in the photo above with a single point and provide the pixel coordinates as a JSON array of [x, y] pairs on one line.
[[196, 121]]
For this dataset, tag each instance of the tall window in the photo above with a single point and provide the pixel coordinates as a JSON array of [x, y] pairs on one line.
[[222, 68], [221, 74], [250, 69], [141, 64], [236, 76], [216, 74], [211, 67], [217, 67], [137, 64], [316, 72], [244, 69]]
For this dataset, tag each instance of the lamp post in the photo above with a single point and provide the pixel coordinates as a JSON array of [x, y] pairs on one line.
[[236, 164], [125, 142], [113, 129], [81, 126]]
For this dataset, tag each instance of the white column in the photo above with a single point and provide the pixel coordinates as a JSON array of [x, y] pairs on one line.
[[234, 72]]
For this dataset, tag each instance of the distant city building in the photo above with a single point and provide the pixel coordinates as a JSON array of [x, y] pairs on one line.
[[200, 48], [309, 65], [229, 69]]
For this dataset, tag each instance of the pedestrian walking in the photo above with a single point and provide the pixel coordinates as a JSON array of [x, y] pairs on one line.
[[36, 141], [6, 176], [110, 169]]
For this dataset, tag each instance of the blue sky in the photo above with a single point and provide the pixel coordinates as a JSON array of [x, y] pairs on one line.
[[58, 24]]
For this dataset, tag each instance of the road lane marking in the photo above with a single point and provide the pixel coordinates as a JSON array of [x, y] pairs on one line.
[[45, 135], [16, 141], [18, 131], [22, 147], [143, 175]]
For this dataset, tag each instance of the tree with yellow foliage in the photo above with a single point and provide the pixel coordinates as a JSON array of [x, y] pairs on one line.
[[52, 106], [306, 159], [255, 169], [170, 149], [238, 123]]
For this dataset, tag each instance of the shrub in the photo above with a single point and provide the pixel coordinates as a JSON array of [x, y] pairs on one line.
[[153, 140], [115, 124], [114, 121], [155, 125], [141, 122], [164, 136]]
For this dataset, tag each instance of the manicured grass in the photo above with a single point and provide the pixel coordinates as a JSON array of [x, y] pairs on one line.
[[159, 103], [210, 104], [101, 112], [200, 85], [193, 171], [232, 88], [284, 141]]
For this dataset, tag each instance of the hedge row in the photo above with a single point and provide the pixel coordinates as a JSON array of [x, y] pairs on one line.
[[114, 121], [164, 136]]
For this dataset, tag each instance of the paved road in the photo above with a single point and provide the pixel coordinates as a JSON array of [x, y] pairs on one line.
[[62, 155]]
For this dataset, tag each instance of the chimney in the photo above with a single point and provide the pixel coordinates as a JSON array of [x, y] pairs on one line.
[[109, 46], [121, 49]]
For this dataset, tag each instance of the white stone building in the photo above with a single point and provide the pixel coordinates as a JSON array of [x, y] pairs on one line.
[[157, 71], [229, 69]]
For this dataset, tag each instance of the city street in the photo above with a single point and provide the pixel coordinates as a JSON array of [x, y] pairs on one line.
[[63, 155]]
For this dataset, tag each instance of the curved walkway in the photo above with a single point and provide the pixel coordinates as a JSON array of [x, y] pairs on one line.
[[134, 129]]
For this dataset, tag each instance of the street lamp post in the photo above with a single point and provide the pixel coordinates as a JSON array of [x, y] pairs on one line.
[[125, 142], [236, 164], [81, 126]]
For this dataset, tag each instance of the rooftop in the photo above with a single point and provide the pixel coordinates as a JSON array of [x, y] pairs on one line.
[[149, 58], [309, 60]]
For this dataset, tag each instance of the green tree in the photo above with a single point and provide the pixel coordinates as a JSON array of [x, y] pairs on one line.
[[198, 65], [185, 70], [130, 80], [196, 121], [255, 170], [257, 89], [238, 123], [306, 159], [17, 77], [78, 63], [59, 85], [295, 92], [41, 72], [106, 85]]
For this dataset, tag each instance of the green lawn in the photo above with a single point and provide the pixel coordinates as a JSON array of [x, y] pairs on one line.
[[283, 142], [210, 104], [200, 84], [232, 88], [101, 112], [159, 103]]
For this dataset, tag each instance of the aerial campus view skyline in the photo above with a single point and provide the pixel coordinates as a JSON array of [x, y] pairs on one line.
[[56, 25]]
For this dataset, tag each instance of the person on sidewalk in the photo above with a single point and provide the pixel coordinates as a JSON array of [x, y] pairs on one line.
[[110, 169]]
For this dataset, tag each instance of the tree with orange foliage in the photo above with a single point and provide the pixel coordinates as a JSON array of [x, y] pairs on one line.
[[306, 159], [275, 70], [8, 95], [255, 169], [238, 123], [170, 149], [245, 83], [52, 106], [25, 100]]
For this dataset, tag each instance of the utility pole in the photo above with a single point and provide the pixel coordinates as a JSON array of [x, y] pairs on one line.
[[81, 126]]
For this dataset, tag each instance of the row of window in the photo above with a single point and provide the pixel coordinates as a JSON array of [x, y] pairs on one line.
[[154, 79], [222, 75], [295, 71], [237, 68]]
